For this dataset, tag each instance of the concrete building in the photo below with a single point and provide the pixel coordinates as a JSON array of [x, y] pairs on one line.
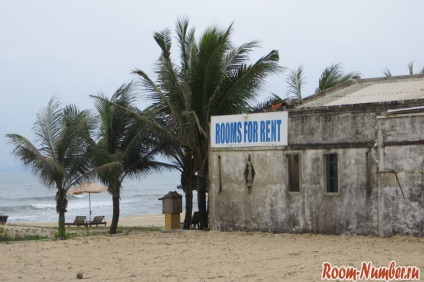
[[353, 163]]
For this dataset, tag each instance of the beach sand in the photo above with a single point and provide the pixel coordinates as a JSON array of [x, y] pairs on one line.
[[200, 255]]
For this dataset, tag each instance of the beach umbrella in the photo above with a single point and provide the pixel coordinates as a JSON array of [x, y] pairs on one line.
[[89, 188]]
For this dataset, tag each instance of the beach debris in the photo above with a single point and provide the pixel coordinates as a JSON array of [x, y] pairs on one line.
[[80, 275]]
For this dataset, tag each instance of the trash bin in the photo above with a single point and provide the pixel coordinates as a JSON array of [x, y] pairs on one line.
[[172, 207], [3, 220]]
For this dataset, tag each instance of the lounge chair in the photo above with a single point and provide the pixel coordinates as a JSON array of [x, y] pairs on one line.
[[98, 220], [79, 220]]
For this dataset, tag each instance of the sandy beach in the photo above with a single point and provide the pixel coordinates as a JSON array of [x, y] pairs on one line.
[[200, 255]]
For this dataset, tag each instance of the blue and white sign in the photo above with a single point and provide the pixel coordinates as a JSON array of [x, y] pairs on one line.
[[261, 129]]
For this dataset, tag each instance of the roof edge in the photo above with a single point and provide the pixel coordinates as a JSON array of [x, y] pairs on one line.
[[354, 81]]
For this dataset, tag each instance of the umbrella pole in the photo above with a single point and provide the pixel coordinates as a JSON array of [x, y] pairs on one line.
[[89, 203]]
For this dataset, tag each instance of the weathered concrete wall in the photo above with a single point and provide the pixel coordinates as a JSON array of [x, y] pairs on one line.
[[327, 127], [367, 201], [401, 175], [270, 207]]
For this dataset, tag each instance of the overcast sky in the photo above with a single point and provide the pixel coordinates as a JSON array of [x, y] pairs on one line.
[[71, 49]]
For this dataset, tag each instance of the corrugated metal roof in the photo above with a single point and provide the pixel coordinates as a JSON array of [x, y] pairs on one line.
[[372, 91]]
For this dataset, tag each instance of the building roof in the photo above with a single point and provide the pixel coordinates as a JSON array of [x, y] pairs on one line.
[[372, 90]]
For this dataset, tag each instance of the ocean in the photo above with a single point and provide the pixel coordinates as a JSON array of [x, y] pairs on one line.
[[24, 199]]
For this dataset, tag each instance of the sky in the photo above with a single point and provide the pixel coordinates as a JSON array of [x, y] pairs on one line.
[[73, 49]]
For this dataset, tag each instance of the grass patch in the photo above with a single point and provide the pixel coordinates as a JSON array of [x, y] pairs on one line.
[[21, 238], [138, 229], [81, 232], [90, 231]]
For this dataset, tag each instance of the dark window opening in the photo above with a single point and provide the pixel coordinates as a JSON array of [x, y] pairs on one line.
[[368, 173], [294, 173], [219, 173], [331, 173]]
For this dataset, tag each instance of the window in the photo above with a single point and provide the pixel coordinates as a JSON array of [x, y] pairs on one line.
[[331, 174], [219, 173], [294, 173], [368, 173]]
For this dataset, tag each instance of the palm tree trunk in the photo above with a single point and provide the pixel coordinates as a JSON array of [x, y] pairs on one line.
[[189, 202], [201, 199], [61, 205], [62, 226], [115, 216]]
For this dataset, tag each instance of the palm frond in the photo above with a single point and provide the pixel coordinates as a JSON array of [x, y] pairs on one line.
[[164, 40], [332, 76], [185, 40], [241, 87], [295, 81], [47, 126], [209, 68], [238, 56], [259, 107]]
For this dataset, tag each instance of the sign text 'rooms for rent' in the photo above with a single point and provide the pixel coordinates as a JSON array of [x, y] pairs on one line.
[[261, 129]]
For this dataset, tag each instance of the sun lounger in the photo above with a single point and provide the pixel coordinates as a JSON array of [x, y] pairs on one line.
[[79, 221], [98, 220]]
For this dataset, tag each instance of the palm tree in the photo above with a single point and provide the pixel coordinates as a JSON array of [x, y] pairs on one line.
[[411, 69], [212, 78], [125, 148], [332, 76], [387, 72], [63, 152]]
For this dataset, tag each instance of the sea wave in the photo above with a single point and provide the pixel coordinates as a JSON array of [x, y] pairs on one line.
[[24, 199], [37, 198], [27, 208]]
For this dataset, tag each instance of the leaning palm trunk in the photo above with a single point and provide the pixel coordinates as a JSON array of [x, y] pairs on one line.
[[115, 216], [201, 198]]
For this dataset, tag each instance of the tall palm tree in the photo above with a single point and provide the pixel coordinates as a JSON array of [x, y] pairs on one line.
[[212, 78], [63, 152], [333, 75], [125, 148]]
